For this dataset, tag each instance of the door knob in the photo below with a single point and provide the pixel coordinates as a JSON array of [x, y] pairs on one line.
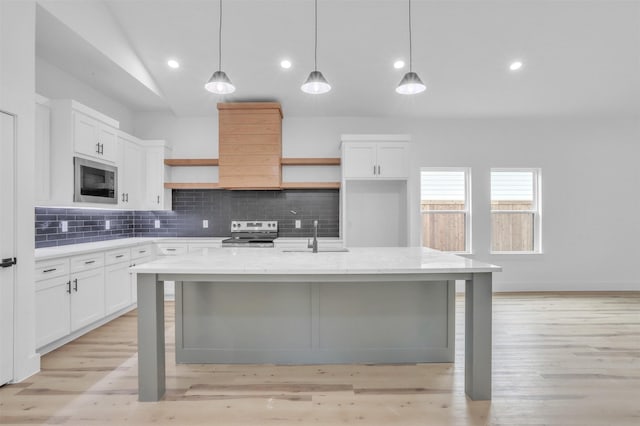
[[9, 261]]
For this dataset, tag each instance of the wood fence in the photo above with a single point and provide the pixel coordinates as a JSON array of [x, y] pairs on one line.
[[511, 231]]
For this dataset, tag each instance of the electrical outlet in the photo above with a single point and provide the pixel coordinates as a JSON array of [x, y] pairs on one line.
[[156, 223], [107, 224], [298, 224], [64, 225], [205, 223]]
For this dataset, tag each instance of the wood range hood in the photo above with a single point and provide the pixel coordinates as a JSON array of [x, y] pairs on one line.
[[250, 152], [250, 145]]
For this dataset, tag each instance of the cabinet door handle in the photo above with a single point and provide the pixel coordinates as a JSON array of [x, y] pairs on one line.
[[378, 170], [123, 197], [69, 286], [75, 285], [89, 262], [119, 256], [49, 270], [374, 169], [127, 197], [158, 199], [98, 148]]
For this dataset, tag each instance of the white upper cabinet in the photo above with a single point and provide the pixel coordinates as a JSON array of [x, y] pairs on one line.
[[66, 129], [359, 159], [77, 131], [131, 173], [393, 159], [375, 157], [93, 138], [156, 196]]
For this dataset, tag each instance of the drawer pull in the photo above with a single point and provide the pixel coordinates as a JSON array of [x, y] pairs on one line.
[[49, 270], [170, 249], [119, 256], [88, 262], [142, 251]]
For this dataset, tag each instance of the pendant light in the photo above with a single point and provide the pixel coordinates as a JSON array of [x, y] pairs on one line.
[[410, 83], [316, 83], [219, 82]]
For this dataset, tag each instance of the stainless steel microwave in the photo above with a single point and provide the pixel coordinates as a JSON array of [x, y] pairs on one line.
[[95, 182]]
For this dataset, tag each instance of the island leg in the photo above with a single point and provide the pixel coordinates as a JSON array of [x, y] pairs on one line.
[[477, 337], [151, 349]]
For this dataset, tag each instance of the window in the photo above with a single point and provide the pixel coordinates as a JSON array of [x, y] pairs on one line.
[[444, 204], [515, 210]]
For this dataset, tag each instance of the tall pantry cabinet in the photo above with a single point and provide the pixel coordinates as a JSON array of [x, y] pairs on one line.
[[374, 195]]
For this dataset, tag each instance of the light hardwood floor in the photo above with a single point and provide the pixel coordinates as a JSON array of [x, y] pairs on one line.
[[559, 359]]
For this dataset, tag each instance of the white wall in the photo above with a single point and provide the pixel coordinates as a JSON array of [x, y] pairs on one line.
[[17, 95], [94, 22], [54, 83], [590, 182]]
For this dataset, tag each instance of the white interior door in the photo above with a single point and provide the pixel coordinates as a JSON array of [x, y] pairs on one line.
[[7, 244]]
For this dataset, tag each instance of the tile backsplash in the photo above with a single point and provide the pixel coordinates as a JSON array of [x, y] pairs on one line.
[[190, 208], [83, 225]]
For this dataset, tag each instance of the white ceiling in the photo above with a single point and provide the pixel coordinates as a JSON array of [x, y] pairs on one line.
[[581, 57]]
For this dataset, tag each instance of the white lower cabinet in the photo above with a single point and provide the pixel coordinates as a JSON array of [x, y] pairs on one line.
[[87, 297], [117, 287], [53, 309], [171, 249], [75, 294], [67, 303], [139, 255]]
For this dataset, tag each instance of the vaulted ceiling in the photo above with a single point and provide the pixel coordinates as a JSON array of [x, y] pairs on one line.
[[580, 57]]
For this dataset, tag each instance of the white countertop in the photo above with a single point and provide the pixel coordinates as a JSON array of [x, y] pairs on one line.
[[73, 249], [395, 260]]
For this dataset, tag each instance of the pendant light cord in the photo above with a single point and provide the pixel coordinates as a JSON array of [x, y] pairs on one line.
[[410, 47], [315, 55], [220, 40]]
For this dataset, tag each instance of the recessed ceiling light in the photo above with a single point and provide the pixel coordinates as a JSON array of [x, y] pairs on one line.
[[173, 63], [285, 63], [515, 66], [398, 64]]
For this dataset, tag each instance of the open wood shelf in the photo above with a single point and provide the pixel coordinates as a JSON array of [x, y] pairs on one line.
[[185, 162], [284, 185], [310, 161], [191, 185], [195, 162], [310, 185]]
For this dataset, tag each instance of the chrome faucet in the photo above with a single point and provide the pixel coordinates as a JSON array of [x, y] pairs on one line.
[[314, 245]]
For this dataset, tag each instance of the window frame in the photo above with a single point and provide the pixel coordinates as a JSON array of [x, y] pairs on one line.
[[466, 211], [536, 210]]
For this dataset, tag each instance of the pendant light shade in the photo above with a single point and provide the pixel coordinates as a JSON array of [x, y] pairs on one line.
[[410, 83], [219, 83], [316, 84]]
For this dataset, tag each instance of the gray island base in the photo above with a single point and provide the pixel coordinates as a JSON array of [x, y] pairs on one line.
[[367, 305]]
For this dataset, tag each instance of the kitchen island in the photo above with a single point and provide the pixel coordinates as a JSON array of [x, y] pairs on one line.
[[370, 305]]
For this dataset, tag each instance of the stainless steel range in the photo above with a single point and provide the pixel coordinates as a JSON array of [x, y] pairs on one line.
[[252, 233]]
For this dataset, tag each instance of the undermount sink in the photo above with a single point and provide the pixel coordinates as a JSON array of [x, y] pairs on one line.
[[320, 250]]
